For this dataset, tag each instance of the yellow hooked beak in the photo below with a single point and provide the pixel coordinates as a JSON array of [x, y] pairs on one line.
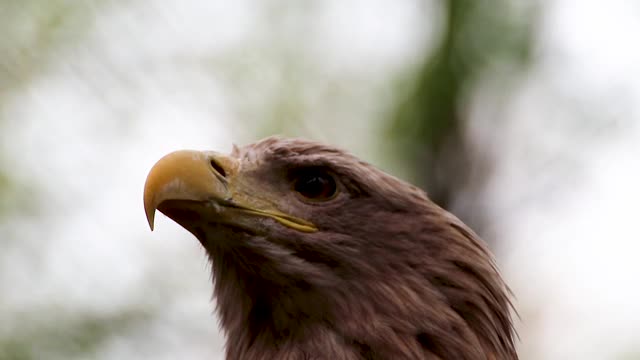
[[212, 181]]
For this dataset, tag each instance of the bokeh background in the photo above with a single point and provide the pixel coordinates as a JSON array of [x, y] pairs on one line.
[[521, 117]]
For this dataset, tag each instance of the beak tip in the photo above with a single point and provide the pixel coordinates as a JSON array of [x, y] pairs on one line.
[[150, 212]]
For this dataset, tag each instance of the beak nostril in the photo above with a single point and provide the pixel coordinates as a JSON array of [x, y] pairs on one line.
[[219, 169]]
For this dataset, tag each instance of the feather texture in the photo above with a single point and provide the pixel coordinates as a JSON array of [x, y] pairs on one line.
[[388, 274]]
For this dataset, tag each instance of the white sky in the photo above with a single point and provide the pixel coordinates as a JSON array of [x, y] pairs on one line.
[[145, 82]]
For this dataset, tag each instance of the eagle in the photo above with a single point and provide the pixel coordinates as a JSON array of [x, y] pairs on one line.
[[317, 254]]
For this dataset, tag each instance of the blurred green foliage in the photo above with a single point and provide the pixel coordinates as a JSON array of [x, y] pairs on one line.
[[32, 31], [633, 355], [479, 39], [58, 334]]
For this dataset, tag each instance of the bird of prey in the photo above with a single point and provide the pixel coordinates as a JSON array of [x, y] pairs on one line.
[[317, 254]]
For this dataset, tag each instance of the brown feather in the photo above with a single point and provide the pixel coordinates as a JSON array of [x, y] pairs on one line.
[[389, 274]]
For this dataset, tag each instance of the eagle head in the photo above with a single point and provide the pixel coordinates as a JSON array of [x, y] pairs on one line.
[[317, 254]]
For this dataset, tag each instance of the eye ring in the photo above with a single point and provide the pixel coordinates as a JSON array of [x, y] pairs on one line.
[[315, 185]]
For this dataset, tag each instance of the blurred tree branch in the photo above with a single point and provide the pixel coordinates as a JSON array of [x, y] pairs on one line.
[[429, 126]]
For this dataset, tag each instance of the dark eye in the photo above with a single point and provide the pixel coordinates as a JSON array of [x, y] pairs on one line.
[[315, 185]]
